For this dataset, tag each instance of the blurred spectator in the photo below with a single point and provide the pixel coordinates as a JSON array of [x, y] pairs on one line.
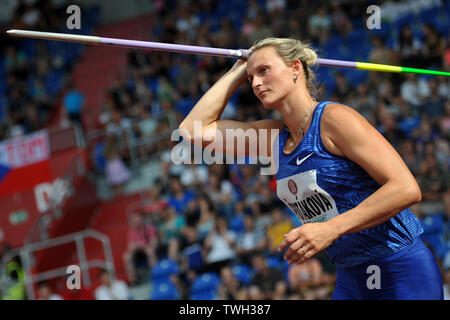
[[409, 156], [144, 130], [142, 240], [340, 20], [249, 242], [13, 285], [44, 292], [281, 291], [170, 233], [222, 194], [445, 120], [16, 63], [154, 201], [179, 196], [389, 130], [191, 249], [261, 29], [236, 223], [275, 6], [308, 275], [117, 174], [319, 23], [446, 279], [73, 103], [165, 92], [194, 175], [230, 288], [163, 181], [266, 278], [434, 181], [364, 101], [433, 47], [414, 90], [380, 53], [280, 226], [219, 246], [433, 106], [111, 289], [207, 218], [409, 47], [119, 126], [343, 89], [255, 293]]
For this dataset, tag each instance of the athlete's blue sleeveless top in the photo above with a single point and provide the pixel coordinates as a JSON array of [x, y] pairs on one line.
[[318, 185]]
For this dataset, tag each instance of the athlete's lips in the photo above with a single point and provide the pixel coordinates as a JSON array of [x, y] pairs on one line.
[[262, 92]]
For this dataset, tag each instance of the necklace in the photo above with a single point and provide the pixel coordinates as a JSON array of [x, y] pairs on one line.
[[301, 131]]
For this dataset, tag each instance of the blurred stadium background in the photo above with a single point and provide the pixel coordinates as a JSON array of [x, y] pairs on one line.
[[85, 172]]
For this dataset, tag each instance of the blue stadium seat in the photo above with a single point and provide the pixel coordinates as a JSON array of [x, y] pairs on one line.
[[237, 224], [164, 290], [163, 270], [153, 84], [29, 47], [274, 262], [243, 273], [430, 14], [185, 105], [356, 77], [442, 248], [194, 256], [433, 224], [2, 111], [356, 37], [205, 287], [402, 20], [53, 82], [333, 44]]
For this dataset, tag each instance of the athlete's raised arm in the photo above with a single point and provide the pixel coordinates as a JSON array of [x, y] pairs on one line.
[[209, 108]]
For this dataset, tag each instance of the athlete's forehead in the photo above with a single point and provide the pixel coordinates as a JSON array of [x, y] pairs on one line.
[[265, 55]]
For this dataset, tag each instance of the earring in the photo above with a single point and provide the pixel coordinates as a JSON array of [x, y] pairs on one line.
[[295, 78]]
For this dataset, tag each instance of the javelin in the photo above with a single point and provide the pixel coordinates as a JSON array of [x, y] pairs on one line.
[[178, 48]]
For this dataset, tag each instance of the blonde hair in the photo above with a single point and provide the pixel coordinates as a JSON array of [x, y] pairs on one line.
[[290, 50]]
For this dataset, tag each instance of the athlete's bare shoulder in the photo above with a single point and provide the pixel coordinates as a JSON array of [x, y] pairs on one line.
[[333, 118]]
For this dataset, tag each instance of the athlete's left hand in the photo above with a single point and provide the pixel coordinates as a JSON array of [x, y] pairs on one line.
[[306, 241]]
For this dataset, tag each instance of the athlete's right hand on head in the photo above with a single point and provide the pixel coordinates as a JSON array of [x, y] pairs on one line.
[[241, 67], [240, 64]]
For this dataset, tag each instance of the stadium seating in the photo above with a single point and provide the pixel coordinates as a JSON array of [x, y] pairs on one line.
[[205, 287], [243, 273], [163, 270], [164, 290]]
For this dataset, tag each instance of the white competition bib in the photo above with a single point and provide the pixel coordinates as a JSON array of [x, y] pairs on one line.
[[306, 199]]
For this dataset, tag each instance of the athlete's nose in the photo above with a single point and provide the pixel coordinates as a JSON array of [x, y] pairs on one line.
[[256, 82]]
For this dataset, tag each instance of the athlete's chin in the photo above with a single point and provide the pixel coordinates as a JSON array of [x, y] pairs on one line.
[[268, 102], [270, 105]]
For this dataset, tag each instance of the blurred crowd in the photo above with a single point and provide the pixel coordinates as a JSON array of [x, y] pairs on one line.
[[222, 219], [33, 73]]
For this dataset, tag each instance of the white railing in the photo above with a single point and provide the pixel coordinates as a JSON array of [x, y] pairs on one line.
[[26, 253]]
